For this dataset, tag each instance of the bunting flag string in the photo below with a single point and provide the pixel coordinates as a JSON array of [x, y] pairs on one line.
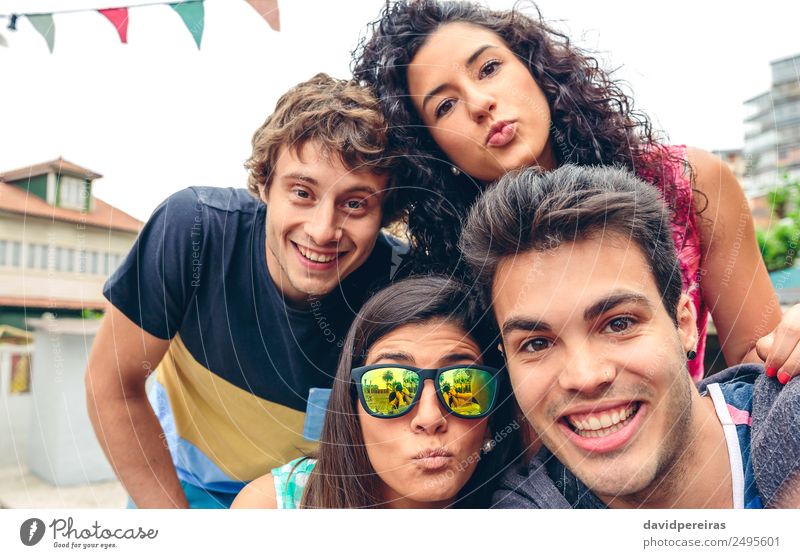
[[191, 12]]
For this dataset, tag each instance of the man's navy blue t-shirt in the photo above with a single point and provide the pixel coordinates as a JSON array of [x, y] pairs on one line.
[[232, 390]]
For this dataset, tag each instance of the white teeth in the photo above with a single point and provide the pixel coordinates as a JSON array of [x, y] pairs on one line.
[[315, 257], [604, 423]]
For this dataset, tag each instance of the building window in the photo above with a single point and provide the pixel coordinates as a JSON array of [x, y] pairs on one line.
[[59, 261], [95, 263], [16, 253], [44, 256], [72, 193], [3, 250], [70, 267], [33, 253], [83, 261]]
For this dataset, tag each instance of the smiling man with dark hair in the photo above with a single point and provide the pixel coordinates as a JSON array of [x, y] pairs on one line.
[[581, 270]]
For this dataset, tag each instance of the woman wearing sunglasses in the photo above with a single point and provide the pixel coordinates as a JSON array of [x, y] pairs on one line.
[[471, 93], [417, 417]]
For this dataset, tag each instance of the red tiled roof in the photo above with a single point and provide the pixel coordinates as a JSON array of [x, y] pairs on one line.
[[16, 200], [59, 166], [46, 302]]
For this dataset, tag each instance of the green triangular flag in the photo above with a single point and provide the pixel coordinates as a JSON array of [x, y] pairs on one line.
[[43, 23], [193, 15]]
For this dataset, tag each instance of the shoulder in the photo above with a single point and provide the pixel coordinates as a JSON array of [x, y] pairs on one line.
[[775, 445], [711, 174], [718, 197], [741, 376], [194, 203], [289, 481], [528, 486], [259, 493], [225, 199]]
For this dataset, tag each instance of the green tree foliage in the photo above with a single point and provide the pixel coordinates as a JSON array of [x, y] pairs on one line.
[[87, 314], [779, 243]]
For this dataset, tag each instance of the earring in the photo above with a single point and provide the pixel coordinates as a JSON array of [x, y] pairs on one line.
[[488, 445], [455, 170], [691, 355]]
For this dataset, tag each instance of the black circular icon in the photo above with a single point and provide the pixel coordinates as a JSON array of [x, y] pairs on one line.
[[31, 531]]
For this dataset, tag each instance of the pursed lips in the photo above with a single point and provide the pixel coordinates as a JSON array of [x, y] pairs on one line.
[[433, 459], [500, 133], [434, 452]]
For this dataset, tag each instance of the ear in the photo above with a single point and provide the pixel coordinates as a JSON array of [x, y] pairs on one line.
[[687, 323], [263, 192]]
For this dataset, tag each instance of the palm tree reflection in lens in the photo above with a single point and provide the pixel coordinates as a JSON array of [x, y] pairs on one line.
[[467, 391], [389, 391]]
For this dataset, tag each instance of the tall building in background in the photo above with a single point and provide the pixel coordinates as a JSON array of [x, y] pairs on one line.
[[58, 242], [772, 129]]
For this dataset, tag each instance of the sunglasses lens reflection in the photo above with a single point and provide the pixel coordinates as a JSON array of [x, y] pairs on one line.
[[467, 391], [389, 391]]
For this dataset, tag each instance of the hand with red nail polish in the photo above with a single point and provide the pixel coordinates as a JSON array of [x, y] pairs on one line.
[[780, 350]]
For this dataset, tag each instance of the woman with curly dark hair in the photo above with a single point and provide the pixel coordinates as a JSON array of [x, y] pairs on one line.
[[471, 93]]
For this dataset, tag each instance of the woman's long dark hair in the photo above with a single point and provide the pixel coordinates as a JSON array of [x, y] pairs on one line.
[[343, 476], [593, 121]]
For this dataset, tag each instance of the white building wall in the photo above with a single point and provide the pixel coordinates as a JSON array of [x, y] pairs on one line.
[[62, 447], [56, 239]]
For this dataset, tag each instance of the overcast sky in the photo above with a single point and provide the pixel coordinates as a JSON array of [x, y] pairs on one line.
[[156, 115]]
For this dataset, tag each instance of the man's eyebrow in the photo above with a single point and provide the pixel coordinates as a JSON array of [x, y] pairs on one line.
[[302, 177], [360, 188], [612, 300], [470, 61], [525, 324]]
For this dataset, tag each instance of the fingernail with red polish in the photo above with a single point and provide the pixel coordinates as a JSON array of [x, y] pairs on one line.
[[783, 377], [771, 372]]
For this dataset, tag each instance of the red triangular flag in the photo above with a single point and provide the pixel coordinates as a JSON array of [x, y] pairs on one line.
[[119, 17]]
